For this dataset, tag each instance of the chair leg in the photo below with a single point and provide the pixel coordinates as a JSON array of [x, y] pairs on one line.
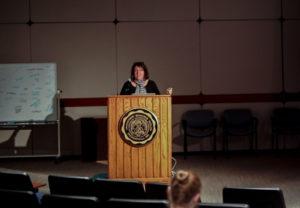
[[185, 146], [256, 141], [215, 143], [252, 141], [273, 137], [277, 145], [225, 142]]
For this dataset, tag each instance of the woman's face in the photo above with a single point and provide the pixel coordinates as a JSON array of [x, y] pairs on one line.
[[139, 73]]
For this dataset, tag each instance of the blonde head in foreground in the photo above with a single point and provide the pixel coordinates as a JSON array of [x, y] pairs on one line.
[[184, 190]]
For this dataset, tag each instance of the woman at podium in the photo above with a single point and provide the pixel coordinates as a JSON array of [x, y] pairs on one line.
[[139, 82]]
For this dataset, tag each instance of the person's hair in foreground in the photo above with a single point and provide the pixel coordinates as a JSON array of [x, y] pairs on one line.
[[184, 190]]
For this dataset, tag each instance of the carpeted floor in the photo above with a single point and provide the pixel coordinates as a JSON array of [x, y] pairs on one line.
[[253, 170]]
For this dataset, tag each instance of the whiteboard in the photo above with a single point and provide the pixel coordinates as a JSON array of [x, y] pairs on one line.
[[28, 92]]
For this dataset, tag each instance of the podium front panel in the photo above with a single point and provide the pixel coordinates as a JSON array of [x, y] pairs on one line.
[[149, 162]]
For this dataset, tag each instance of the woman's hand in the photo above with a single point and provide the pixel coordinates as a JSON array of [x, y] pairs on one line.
[[170, 91]]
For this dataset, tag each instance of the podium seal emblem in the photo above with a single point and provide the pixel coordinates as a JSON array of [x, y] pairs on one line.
[[138, 127]]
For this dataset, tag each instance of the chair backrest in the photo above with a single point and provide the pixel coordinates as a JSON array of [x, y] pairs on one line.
[[54, 201], [199, 118], [136, 203], [110, 188], [255, 197], [156, 190], [70, 185], [16, 181], [17, 198], [222, 205], [237, 117], [286, 116]]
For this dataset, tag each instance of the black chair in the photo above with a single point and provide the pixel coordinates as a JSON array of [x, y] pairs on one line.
[[156, 190], [110, 188], [17, 198], [136, 203], [71, 185], [239, 122], [201, 124], [255, 197], [222, 205], [54, 201], [285, 122], [16, 181]]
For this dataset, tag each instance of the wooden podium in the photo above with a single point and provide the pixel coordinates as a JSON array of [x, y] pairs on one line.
[[147, 162]]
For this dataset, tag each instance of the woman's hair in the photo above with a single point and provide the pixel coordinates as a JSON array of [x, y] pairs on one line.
[[184, 186], [139, 64]]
